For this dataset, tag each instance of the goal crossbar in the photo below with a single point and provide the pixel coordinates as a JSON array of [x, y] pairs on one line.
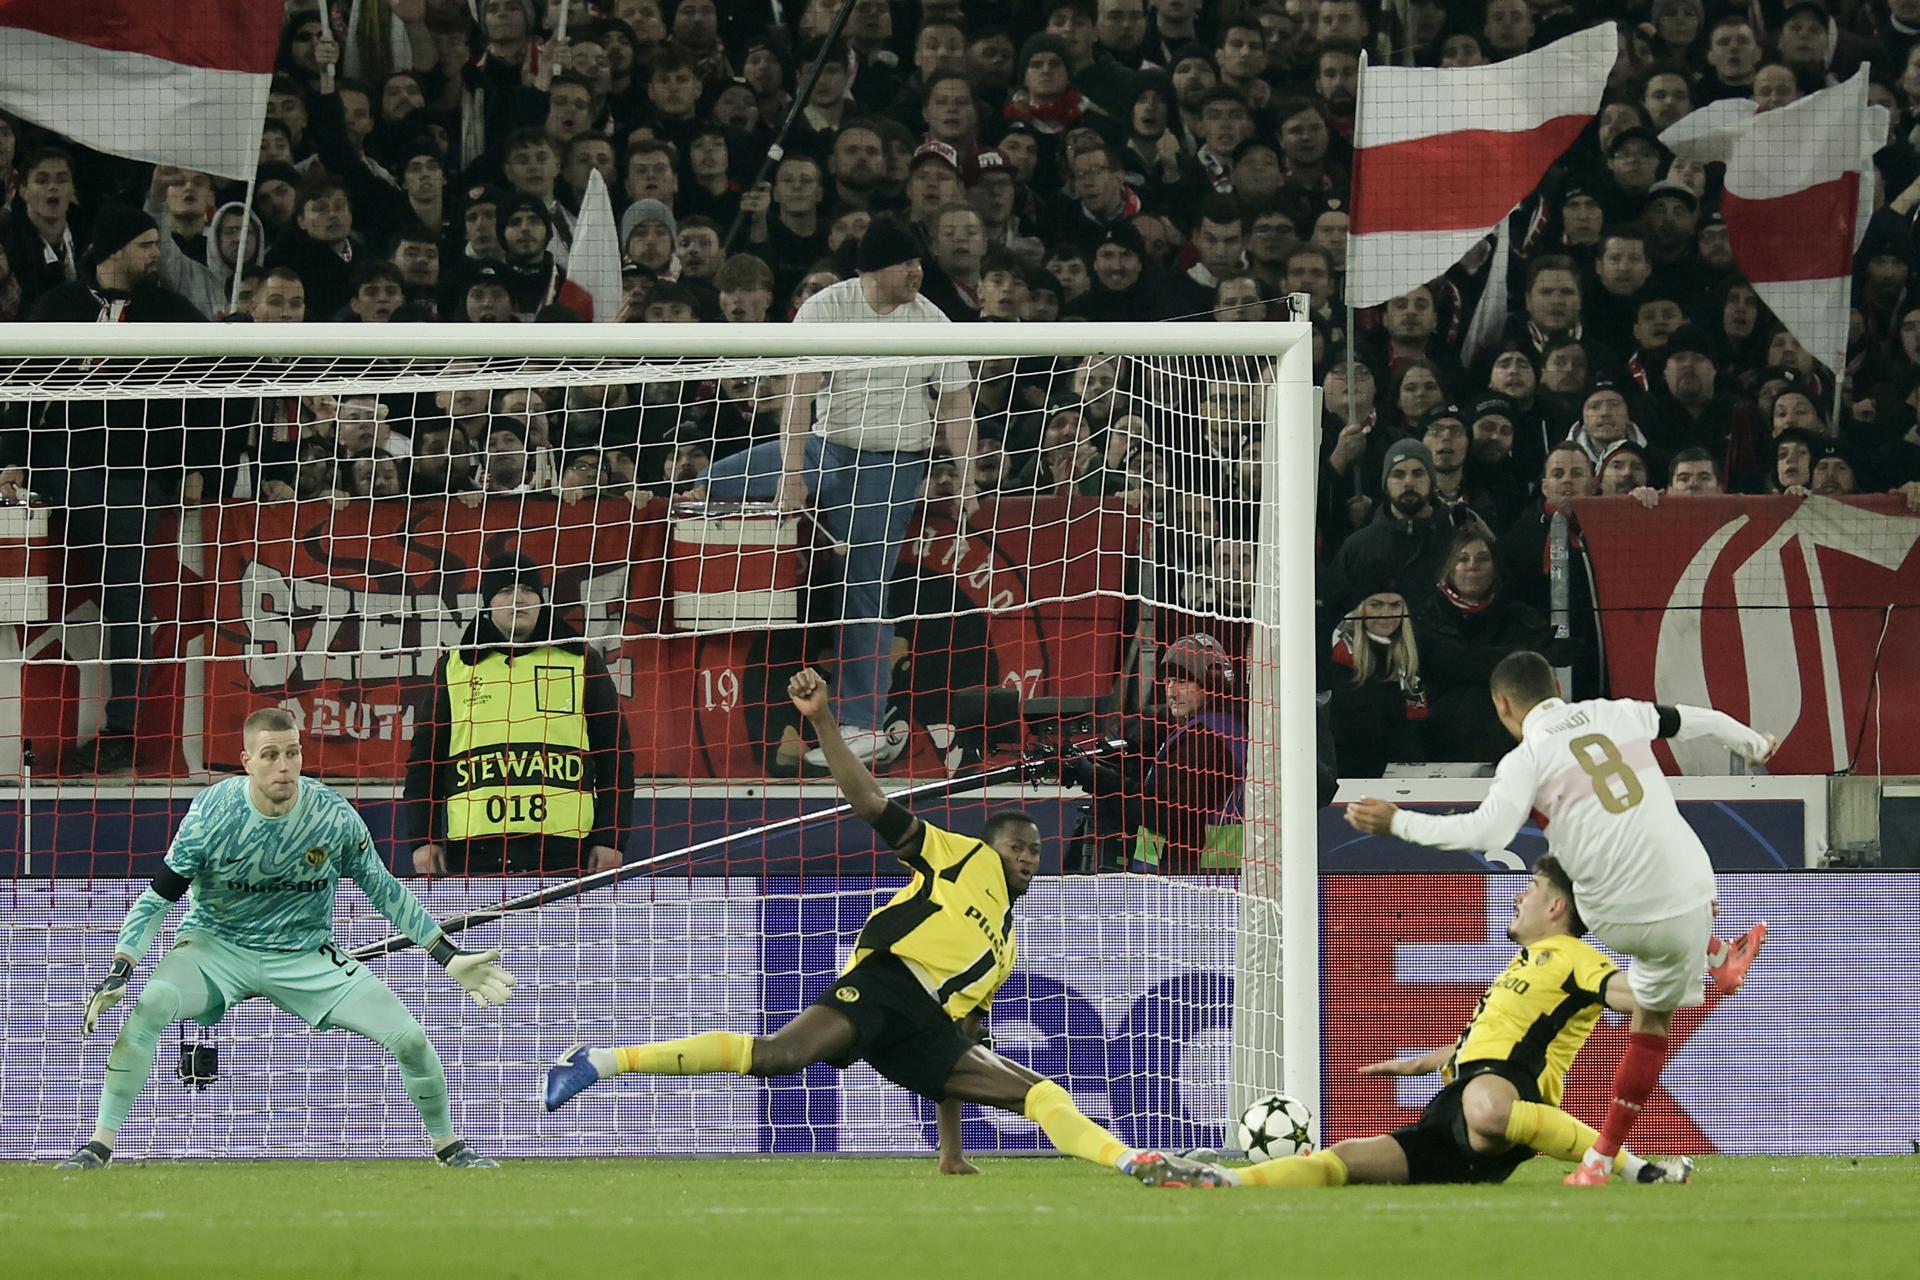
[[649, 341]]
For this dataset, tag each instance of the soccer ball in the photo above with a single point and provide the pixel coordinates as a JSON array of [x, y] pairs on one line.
[[1275, 1126]]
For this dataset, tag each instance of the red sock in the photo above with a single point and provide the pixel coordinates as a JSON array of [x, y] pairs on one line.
[[1633, 1082]]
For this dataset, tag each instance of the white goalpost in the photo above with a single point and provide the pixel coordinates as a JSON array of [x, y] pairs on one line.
[[302, 577]]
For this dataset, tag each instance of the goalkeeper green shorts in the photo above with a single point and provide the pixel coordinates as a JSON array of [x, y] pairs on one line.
[[307, 984]]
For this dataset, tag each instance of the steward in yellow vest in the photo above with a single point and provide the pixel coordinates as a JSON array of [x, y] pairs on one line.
[[522, 764]]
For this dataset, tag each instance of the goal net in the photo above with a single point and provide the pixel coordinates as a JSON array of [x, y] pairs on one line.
[[1079, 585]]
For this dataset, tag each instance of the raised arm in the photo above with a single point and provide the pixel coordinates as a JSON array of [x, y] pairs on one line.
[[862, 790], [1683, 723]]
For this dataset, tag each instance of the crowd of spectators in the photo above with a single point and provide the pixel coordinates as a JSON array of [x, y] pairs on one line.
[[1059, 159]]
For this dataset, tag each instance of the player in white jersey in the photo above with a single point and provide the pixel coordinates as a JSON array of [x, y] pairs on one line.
[[1641, 877], [260, 857]]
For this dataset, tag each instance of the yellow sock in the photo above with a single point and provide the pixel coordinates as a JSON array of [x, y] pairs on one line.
[[1553, 1132], [696, 1055], [1052, 1108], [1550, 1131], [1317, 1169]]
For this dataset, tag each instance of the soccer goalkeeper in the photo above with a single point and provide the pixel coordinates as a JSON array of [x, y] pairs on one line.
[[263, 856], [922, 974]]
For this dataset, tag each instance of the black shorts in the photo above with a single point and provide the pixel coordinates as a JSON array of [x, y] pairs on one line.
[[1437, 1146], [899, 1030]]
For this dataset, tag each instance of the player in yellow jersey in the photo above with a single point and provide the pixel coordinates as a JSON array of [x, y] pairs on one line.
[[1505, 1075], [913, 997]]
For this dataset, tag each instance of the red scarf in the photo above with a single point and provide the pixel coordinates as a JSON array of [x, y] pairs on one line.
[[1051, 117], [1463, 604]]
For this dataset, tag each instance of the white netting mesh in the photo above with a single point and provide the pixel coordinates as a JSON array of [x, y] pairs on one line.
[[340, 515]]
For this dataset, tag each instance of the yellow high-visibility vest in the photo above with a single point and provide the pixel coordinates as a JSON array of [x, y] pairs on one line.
[[518, 744]]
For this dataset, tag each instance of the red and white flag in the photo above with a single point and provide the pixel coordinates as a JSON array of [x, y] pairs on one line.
[[1440, 156], [593, 266], [1798, 193], [179, 82]]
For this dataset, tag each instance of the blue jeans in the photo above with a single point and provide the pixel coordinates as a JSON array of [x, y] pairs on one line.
[[864, 499]]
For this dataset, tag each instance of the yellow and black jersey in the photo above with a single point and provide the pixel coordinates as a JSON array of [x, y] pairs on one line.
[[1538, 1013], [952, 925]]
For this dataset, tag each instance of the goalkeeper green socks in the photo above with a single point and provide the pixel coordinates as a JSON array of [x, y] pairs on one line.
[[1053, 1109], [696, 1055]]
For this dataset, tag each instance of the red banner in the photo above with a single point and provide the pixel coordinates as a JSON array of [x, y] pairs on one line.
[[341, 614], [1799, 615]]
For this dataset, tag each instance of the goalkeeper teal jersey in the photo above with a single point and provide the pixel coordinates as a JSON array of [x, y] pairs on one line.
[[269, 882]]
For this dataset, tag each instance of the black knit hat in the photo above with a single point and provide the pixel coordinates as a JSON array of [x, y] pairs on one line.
[[1438, 414], [1125, 235], [277, 171], [1496, 405], [511, 569], [887, 243], [1036, 44], [114, 228]]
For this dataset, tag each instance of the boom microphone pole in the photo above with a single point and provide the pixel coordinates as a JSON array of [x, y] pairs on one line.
[[626, 871]]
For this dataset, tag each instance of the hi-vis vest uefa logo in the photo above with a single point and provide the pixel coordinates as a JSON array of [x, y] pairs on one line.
[[518, 745]]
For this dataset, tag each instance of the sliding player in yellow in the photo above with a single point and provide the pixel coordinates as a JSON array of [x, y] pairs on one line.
[[1505, 1075], [917, 987]]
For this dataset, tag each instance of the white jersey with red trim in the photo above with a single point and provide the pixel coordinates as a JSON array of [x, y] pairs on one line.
[[1588, 771]]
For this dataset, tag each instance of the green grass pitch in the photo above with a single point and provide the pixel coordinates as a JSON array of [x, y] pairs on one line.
[[846, 1219]]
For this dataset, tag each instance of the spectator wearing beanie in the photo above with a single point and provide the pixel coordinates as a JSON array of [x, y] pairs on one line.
[[1514, 372], [1606, 415], [1405, 546], [1495, 489], [1623, 468], [1835, 473], [533, 276], [1124, 286], [1689, 407], [1044, 97]]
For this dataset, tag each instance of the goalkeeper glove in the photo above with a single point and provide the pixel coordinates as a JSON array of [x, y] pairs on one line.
[[110, 991], [476, 972]]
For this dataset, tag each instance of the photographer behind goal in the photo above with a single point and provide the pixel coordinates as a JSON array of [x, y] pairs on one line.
[[1171, 801]]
